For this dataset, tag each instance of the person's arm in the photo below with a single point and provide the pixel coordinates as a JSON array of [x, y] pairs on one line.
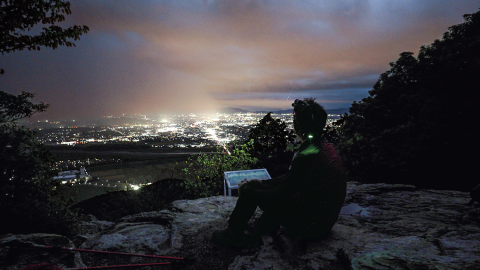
[[288, 186], [274, 182]]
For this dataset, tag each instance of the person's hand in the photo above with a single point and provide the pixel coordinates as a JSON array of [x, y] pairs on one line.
[[244, 181]]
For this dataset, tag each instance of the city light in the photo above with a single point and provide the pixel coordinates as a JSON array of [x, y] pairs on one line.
[[179, 131]]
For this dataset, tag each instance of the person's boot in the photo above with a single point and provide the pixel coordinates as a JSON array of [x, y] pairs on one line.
[[238, 239]]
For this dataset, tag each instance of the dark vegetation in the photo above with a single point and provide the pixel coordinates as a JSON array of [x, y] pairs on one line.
[[49, 13], [204, 173], [79, 193], [30, 199], [273, 145], [270, 135], [419, 126]]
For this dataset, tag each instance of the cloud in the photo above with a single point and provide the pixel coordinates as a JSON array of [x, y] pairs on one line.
[[158, 56]]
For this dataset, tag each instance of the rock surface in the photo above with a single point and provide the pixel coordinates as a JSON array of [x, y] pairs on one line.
[[381, 227], [16, 251]]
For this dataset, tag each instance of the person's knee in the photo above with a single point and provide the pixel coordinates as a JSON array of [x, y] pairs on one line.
[[254, 185], [242, 189]]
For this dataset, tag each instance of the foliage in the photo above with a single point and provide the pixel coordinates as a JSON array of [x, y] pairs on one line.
[[17, 18], [29, 196], [331, 134], [269, 135], [272, 145], [30, 199], [416, 126], [205, 172], [14, 108]]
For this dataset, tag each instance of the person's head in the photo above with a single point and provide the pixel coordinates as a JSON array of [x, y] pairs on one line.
[[309, 118]]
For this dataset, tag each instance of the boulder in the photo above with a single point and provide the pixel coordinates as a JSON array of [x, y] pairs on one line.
[[381, 226], [91, 225], [183, 230], [17, 252]]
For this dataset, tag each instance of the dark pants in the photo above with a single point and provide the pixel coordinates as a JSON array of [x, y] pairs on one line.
[[279, 211], [274, 211]]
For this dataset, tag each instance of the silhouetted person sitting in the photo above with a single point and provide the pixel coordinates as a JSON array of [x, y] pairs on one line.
[[306, 201], [475, 194]]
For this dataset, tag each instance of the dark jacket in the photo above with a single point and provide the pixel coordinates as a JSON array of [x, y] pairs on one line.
[[312, 193]]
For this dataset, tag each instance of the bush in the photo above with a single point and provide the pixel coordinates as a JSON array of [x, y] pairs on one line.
[[270, 135], [30, 199], [205, 172]]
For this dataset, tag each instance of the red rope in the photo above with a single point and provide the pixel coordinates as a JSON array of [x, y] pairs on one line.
[[108, 252]]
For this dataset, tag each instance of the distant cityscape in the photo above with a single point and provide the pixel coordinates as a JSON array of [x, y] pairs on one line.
[[141, 132], [176, 131]]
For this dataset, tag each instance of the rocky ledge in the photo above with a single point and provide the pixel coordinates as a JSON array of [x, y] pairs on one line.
[[381, 227]]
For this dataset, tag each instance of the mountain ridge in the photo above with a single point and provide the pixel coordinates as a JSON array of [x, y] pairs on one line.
[[231, 110]]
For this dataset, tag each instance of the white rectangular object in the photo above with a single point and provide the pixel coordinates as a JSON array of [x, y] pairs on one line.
[[233, 178]]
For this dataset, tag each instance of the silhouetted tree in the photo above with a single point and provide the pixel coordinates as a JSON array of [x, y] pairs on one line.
[[270, 139], [19, 17], [29, 196], [418, 125], [270, 134]]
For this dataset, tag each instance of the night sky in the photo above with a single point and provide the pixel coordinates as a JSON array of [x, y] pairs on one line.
[[152, 57]]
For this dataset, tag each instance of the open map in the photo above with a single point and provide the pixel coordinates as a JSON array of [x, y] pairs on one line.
[[235, 177]]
